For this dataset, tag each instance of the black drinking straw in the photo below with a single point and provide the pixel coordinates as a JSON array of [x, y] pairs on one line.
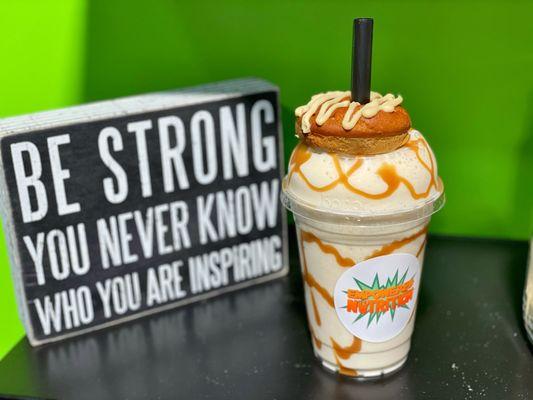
[[362, 59]]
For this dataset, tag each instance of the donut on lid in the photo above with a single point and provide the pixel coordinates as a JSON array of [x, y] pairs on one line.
[[332, 122]]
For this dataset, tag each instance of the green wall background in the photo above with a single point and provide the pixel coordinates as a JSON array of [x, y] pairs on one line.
[[42, 47], [463, 67]]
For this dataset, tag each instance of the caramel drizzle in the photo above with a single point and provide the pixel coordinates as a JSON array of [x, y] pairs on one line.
[[421, 248], [345, 370], [328, 249], [326, 104], [341, 352], [389, 248], [318, 343], [313, 283], [346, 352], [315, 310], [387, 173], [338, 350]]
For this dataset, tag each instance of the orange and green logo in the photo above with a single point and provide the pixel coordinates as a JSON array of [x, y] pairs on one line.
[[375, 300]]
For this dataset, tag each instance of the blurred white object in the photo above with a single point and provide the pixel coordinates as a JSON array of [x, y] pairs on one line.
[[528, 295]]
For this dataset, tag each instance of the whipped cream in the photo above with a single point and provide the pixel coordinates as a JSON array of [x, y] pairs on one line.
[[398, 181]]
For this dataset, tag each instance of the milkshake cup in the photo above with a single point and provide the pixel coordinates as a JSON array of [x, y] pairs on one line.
[[362, 186]]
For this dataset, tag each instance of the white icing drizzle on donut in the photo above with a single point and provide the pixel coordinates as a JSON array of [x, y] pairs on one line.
[[326, 104]]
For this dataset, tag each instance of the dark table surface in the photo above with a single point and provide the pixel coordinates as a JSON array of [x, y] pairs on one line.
[[469, 343]]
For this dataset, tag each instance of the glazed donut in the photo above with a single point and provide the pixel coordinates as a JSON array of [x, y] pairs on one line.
[[332, 122]]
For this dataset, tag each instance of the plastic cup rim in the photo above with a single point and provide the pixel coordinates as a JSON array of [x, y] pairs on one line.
[[396, 217]]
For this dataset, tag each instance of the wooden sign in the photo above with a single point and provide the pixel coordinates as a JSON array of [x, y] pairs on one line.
[[122, 208]]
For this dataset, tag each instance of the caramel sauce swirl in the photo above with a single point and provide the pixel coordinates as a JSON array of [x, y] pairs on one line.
[[313, 283], [387, 172], [346, 352], [345, 370], [328, 249], [315, 311], [391, 247], [421, 248]]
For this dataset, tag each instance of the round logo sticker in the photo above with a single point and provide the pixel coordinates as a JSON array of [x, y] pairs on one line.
[[376, 298]]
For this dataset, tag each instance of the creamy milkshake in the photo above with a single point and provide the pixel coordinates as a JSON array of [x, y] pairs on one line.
[[362, 185]]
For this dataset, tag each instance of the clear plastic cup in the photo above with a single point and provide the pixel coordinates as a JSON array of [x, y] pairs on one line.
[[528, 296], [348, 263]]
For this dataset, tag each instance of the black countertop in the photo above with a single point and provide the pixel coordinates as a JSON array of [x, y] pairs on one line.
[[469, 343]]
